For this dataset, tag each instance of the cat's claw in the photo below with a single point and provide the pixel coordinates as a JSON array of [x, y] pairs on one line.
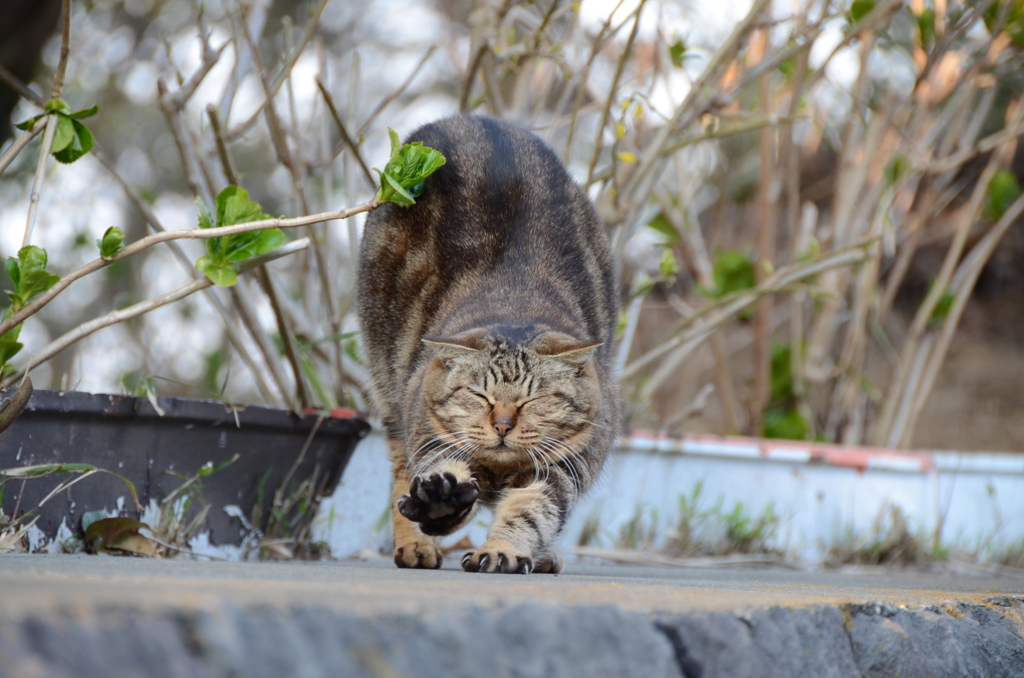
[[439, 503], [503, 561]]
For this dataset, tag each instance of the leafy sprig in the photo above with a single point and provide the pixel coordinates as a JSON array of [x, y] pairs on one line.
[[29, 276], [72, 139], [403, 177], [223, 254]]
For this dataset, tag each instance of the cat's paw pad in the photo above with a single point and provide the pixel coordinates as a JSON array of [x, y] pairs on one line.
[[438, 501], [499, 558], [549, 564], [418, 554]]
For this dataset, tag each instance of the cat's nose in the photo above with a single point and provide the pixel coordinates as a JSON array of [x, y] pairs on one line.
[[503, 426]]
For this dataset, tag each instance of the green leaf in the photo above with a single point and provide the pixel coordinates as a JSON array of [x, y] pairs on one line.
[[668, 266], [205, 218], [222, 275], [926, 27], [64, 135], [111, 243], [677, 51], [57, 106], [858, 10], [28, 124], [234, 207], [245, 245], [941, 310], [895, 170], [662, 225], [398, 194], [782, 373], [29, 275], [85, 113], [9, 346], [1002, 191], [80, 144], [402, 179], [787, 424], [733, 271]]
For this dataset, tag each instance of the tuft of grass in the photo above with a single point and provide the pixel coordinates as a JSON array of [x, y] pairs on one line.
[[892, 542]]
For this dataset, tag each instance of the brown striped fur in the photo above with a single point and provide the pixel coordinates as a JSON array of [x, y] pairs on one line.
[[489, 311]]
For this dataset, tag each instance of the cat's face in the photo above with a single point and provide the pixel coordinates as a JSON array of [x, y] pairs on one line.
[[511, 405]]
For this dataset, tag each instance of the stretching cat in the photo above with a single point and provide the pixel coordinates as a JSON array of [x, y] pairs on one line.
[[489, 309]]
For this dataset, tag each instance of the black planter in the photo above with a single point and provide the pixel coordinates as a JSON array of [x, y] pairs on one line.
[[127, 436]]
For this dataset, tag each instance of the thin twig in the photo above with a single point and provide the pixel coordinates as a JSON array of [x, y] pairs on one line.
[[37, 183], [227, 164], [65, 49], [19, 144], [287, 338], [345, 137], [21, 88]]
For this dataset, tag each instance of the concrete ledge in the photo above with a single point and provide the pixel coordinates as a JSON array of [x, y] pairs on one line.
[[92, 616]]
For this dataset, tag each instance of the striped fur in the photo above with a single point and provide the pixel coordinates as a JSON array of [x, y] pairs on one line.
[[489, 310]]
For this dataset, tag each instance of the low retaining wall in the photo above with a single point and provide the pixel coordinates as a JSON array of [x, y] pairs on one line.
[[822, 494], [526, 640]]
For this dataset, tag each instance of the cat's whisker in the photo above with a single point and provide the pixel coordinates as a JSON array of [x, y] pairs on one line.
[[552, 446], [594, 423], [422, 466]]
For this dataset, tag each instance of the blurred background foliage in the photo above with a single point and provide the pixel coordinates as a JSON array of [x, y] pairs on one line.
[[802, 196]]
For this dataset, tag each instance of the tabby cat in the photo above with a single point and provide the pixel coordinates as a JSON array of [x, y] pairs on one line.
[[489, 309]]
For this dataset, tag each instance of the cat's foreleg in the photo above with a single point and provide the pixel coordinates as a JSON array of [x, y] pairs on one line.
[[527, 521], [441, 499], [413, 548]]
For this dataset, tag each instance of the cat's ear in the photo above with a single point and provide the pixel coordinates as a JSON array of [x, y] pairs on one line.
[[566, 348], [470, 340]]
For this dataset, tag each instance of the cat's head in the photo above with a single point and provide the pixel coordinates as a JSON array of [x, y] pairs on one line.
[[511, 401]]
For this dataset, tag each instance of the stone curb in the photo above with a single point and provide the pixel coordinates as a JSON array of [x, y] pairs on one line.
[[526, 640]]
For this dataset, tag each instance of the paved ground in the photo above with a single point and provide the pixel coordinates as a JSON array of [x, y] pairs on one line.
[[32, 584], [92, 615]]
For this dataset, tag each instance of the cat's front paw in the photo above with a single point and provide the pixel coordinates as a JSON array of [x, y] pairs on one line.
[[439, 503], [497, 556], [418, 554]]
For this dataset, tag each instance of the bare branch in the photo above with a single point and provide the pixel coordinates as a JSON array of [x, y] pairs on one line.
[[135, 310]]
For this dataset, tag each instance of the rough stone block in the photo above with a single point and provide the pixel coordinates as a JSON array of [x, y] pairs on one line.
[[777, 642], [955, 640]]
